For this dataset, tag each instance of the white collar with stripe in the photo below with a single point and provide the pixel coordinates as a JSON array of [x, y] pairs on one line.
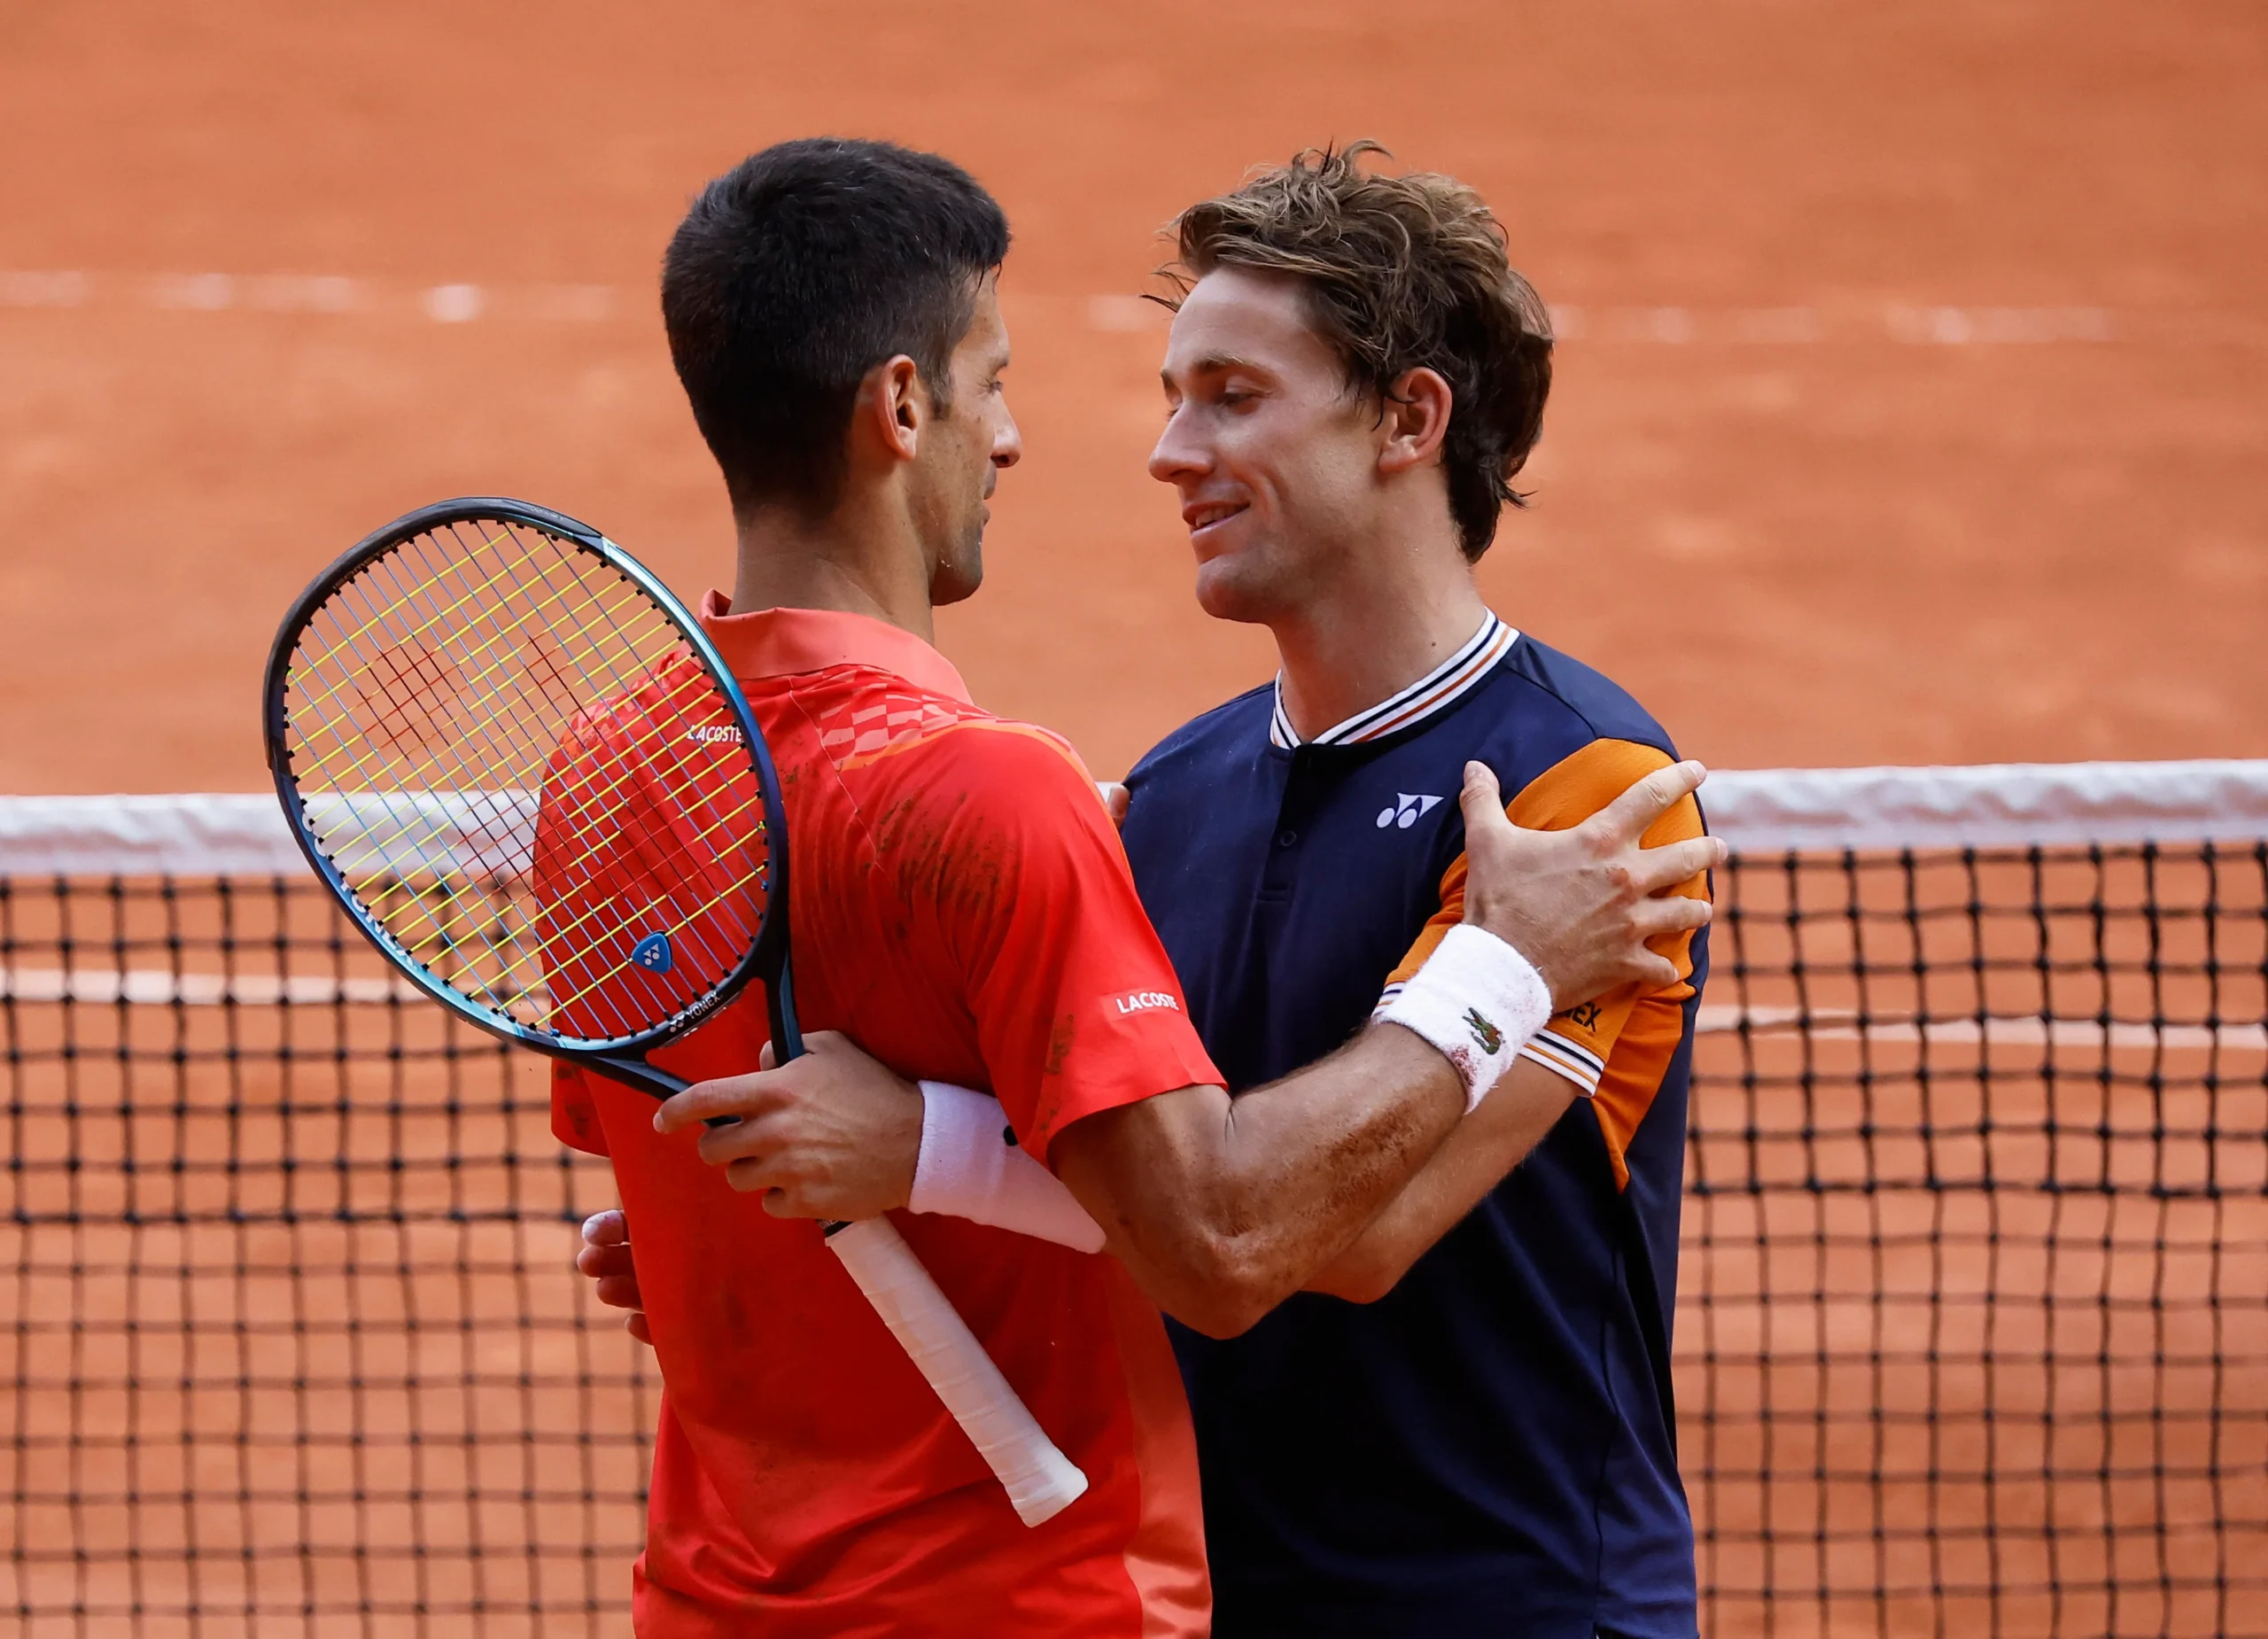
[[1436, 691]]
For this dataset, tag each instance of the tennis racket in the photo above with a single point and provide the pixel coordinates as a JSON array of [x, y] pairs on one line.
[[525, 771]]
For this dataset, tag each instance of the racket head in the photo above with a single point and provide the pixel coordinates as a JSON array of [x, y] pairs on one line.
[[527, 774]]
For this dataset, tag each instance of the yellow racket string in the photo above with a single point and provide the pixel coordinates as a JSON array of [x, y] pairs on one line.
[[361, 763], [375, 614], [562, 1003], [554, 939], [372, 616], [605, 639], [553, 943], [617, 681], [631, 596], [377, 848], [754, 802]]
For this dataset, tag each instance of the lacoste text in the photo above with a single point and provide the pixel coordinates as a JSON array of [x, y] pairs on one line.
[[1142, 1001]]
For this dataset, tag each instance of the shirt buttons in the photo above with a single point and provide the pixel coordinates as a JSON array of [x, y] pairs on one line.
[[1286, 837]]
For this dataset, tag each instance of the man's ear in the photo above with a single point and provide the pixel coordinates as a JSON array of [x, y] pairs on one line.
[[1416, 420], [891, 409]]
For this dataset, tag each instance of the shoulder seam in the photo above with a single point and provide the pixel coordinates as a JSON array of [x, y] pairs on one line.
[[1528, 641]]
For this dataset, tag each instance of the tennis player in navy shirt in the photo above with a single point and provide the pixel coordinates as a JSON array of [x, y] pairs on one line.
[[1467, 1429]]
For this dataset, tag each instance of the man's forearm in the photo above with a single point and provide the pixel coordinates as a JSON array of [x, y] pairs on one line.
[[1474, 1160], [1222, 1208]]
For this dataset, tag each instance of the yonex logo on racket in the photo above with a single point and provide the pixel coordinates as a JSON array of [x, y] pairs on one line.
[[714, 733], [653, 953]]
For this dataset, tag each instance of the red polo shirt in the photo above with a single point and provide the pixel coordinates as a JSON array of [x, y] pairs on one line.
[[961, 907]]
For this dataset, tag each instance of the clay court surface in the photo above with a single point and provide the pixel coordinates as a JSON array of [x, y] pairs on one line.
[[1913, 408]]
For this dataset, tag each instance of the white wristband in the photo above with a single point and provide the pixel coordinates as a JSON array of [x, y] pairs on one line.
[[1477, 1000], [970, 1167]]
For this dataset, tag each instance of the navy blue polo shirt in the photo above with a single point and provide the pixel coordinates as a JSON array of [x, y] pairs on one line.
[[1489, 1449]]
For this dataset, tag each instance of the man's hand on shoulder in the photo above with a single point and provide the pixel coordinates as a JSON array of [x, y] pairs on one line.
[[1581, 904]]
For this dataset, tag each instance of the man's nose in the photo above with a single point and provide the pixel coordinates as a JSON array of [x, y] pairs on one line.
[[1176, 454]]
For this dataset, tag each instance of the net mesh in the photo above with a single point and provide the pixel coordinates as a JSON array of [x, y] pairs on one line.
[[1972, 1328], [1971, 1333]]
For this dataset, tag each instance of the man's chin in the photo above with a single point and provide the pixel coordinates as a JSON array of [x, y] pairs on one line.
[[1226, 595], [953, 581]]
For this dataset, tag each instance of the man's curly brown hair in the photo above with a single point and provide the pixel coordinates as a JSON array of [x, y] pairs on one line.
[[1402, 272]]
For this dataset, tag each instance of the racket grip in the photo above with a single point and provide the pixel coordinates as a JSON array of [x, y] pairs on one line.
[[1041, 1482]]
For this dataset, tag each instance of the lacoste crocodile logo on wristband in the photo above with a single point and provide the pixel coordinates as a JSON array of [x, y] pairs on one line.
[[1490, 1038]]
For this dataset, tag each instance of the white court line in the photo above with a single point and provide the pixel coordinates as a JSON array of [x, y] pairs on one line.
[[333, 294], [461, 302], [1844, 1026], [161, 987]]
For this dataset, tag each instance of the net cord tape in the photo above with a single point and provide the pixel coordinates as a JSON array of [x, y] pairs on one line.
[[2003, 805]]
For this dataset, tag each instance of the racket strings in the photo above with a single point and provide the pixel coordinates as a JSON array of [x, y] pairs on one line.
[[506, 708], [490, 648], [440, 927], [617, 681], [491, 652], [647, 747], [403, 902], [446, 929]]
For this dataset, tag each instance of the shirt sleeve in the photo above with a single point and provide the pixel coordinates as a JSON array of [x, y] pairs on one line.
[[574, 1115], [1580, 1041], [1077, 1008]]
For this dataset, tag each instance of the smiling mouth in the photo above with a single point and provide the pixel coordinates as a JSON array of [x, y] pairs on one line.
[[1202, 518]]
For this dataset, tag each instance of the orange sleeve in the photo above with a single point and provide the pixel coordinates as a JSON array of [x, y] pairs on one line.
[[1615, 1049]]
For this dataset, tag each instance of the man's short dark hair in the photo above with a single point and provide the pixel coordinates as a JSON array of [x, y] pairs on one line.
[[795, 273], [1401, 273]]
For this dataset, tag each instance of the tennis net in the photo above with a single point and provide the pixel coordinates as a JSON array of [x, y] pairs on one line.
[[1972, 1335]]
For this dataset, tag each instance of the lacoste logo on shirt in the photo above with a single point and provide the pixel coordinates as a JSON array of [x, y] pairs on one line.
[[1407, 807], [713, 733], [1142, 1001]]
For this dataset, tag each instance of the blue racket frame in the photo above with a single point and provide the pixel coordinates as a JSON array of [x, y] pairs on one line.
[[620, 1057]]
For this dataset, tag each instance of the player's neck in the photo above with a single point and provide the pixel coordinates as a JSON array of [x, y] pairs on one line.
[[850, 560], [1352, 646]]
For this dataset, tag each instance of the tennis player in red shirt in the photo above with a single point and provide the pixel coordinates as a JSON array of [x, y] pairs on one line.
[[962, 907]]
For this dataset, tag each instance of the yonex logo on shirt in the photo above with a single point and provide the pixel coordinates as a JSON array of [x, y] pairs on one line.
[[1407, 807], [1142, 1001]]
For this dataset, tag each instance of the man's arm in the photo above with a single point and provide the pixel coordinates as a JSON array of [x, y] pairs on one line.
[[1474, 1160], [1222, 1208], [1219, 1209], [1613, 1052]]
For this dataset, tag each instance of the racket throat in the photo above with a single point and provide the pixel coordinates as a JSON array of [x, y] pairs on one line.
[[638, 1075]]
